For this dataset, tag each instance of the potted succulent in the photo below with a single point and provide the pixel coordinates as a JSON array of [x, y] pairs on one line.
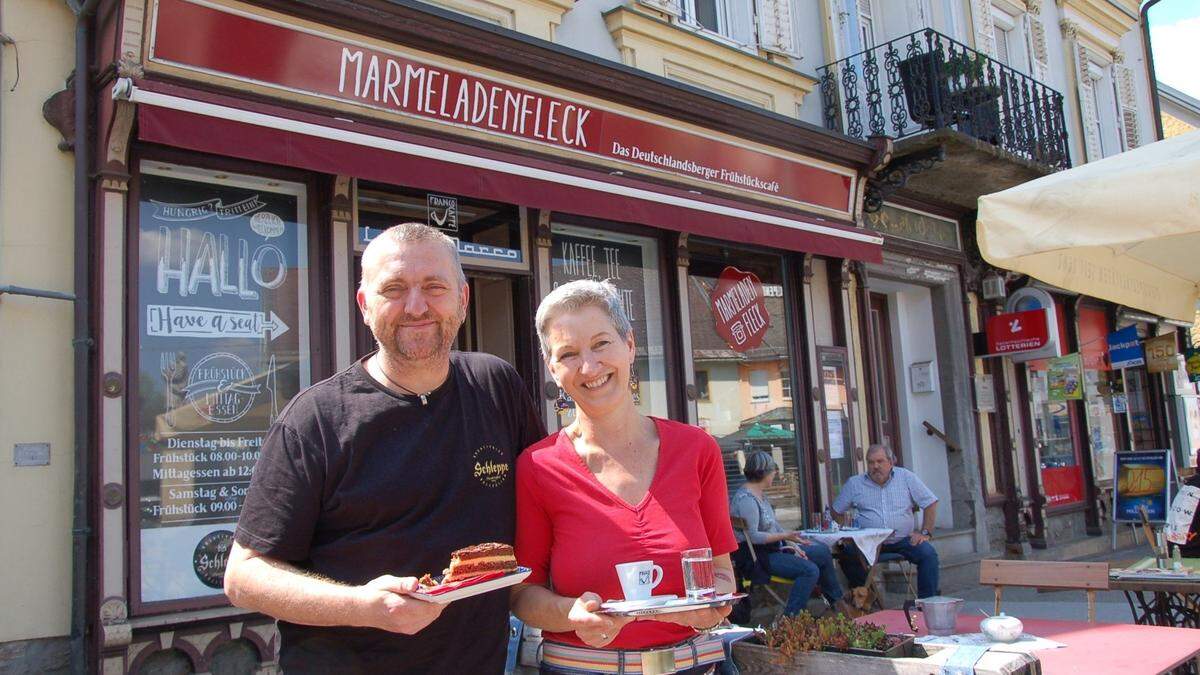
[[806, 641]]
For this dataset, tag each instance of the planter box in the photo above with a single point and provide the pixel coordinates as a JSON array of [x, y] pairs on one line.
[[903, 648], [755, 659]]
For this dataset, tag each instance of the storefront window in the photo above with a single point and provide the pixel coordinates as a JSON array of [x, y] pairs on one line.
[[1141, 421], [740, 345], [835, 401], [1062, 475], [222, 345], [1097, 389], [631, 263]]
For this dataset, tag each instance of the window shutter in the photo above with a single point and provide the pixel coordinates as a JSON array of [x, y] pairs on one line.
[[741, 21], [1087, 107], [1039, 55], [985, 28], [775, 31], [671, 7], [1127, 104]]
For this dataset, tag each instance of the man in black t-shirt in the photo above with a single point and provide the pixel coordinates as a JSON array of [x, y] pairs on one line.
[[372, 477]]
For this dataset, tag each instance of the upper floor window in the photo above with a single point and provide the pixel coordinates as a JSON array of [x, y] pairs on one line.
[[866, 24], [731, 19]]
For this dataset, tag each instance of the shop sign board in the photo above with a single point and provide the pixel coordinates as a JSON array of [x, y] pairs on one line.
[[221, 344], [1065, 375], [1018, 332], [1161, 353], [310, 61], [915, 226], [1143, 480], [1124, 349], [740, 314]]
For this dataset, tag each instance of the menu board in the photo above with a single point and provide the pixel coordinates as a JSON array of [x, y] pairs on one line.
[[222, 346], [630, 263]]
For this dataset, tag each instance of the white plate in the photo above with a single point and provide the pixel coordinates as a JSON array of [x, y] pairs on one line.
[[665, 605], [470, 590]]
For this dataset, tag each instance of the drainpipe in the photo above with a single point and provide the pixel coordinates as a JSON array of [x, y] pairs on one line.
[[1157, 110], [82, 344]]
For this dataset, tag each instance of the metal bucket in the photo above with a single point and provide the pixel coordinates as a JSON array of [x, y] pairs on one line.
[[941, 613]]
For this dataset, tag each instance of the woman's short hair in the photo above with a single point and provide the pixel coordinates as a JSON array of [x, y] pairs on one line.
[[574, 296], [758, 465]]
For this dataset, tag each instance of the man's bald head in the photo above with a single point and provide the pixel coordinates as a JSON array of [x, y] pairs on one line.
[[397, 236]]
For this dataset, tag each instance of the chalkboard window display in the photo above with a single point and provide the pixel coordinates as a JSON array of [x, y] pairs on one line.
[[630, 263], [222, 346]]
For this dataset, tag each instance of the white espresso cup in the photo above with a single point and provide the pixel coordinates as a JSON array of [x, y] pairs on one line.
[[639, 579]]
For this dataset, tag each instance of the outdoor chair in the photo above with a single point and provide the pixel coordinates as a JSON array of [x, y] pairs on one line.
[[745, 581], [1090, 577], [875, 582]]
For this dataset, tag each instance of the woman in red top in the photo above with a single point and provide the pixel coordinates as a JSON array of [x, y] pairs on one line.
[[612, 487]]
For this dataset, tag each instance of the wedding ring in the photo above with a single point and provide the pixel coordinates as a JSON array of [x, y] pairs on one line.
[[604, 636]]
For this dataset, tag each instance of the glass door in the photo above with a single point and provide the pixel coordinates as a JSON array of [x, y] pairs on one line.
[[1054, 430], [743, 365]]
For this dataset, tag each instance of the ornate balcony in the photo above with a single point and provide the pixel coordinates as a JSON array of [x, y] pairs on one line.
[[951, 111]]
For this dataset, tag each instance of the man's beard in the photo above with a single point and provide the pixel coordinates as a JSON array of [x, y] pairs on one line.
[[431, 345]]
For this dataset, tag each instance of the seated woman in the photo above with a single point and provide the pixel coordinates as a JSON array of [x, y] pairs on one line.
[[785, 553], [612, 487]]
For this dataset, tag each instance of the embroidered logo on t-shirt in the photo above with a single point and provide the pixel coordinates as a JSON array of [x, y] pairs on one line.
[[491, 466]]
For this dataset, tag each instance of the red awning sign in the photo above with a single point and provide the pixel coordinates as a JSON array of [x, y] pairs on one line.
[[739, 310], [1018, 332]]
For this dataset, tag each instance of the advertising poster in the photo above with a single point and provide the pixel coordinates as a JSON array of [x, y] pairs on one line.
[[1192, 361], [1065, 378], [1124, 350], [1143, 480], [222, 347], [1062, 485]]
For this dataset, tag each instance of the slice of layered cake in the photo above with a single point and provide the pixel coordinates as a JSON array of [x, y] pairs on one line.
[[473, 561]]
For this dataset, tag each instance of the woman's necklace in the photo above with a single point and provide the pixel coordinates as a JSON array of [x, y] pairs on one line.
[[424, 397]]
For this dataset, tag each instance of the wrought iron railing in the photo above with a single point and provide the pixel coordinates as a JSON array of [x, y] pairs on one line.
[[926, 81]]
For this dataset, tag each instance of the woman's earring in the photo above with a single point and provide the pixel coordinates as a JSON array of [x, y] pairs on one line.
[[563, 402], [635, 386]]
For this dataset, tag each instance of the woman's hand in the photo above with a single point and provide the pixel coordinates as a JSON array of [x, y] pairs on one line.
[[596, 630], [794, 551]]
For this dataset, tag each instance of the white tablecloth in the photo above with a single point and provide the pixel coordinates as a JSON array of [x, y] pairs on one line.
[[868, 539]]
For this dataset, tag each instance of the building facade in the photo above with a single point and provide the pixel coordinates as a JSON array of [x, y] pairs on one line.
[[789, 218]]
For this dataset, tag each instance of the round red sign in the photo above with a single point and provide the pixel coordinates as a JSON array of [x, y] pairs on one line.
[[739, 310]]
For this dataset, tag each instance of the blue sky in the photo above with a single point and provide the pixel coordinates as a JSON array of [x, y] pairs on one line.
[[1175, 36]]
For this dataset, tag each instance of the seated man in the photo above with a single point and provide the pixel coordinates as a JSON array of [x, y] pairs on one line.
[[885, 497]]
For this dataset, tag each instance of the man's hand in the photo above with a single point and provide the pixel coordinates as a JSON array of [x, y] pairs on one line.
[[596, 630], [389, 607], [916, 538]]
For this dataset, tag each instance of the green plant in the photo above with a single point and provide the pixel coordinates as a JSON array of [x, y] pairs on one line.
[[791, 635]]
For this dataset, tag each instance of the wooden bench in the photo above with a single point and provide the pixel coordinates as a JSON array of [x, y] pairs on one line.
[[1090, 577]]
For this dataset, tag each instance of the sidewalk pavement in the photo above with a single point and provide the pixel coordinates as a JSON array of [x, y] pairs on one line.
[[1111, 606]]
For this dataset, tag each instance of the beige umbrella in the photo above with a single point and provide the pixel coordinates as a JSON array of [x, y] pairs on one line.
[[1125, 228]]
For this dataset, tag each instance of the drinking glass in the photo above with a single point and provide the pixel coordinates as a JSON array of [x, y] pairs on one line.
[[698, 580]]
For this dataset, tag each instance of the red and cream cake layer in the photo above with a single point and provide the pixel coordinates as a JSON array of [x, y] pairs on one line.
[[480, 559]]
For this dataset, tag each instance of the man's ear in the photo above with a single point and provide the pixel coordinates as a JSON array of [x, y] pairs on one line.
[[361, 298]]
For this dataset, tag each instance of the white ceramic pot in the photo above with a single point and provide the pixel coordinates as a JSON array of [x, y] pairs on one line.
[[1002, 628]]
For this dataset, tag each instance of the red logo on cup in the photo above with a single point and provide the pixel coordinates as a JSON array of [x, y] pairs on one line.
[[739, 310]]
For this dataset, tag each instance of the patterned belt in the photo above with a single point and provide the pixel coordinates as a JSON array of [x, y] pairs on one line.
[[698, 651]]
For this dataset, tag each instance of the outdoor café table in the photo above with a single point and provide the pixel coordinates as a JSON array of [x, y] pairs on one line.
[[867, 539], [1160, 598], [1091, 648]]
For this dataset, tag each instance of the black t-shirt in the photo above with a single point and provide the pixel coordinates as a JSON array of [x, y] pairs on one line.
[[355, 482]]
